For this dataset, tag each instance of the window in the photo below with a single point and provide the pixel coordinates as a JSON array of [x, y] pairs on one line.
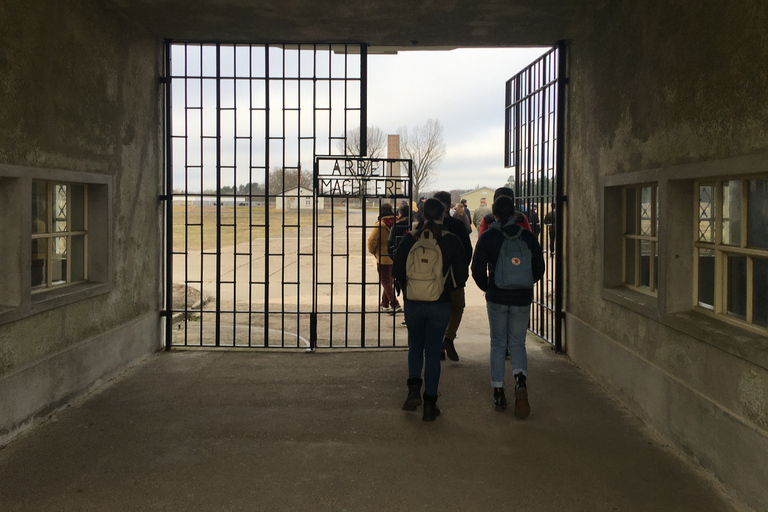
[[731, 249], [640, 243], [59, 234], [56, 243]]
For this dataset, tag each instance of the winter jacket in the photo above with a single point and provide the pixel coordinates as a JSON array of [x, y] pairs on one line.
[[454, 257], [484, 259], [377, 240], [456, 227], [489, 219]]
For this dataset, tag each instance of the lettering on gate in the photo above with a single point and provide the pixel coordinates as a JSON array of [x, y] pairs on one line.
[[368, 177]]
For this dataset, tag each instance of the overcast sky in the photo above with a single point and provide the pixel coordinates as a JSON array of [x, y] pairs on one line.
[[464, 90]]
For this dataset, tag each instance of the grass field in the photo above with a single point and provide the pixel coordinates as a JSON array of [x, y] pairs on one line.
[[195, 226]]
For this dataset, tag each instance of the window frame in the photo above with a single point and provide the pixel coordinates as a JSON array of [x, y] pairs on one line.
[[720, 308], [50, 234], [638, 237], [17, 299]]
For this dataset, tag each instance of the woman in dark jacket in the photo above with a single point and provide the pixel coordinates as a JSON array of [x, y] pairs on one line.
[[427, 321], [508, 309]]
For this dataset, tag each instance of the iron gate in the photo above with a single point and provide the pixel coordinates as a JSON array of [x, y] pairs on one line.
[[246, 232], [534, 140]]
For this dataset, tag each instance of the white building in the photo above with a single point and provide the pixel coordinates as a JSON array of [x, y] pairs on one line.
[[298, 198]]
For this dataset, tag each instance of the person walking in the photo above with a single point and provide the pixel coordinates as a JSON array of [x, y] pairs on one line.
[[550, 220], [377, 245], [508, 308], [458, 301], [460, 213], [399, 229], [468, 213], [520, 217], [426, 320], [533, 219], [480, 212]]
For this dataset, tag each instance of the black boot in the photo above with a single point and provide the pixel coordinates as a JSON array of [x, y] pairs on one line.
[[414, 395], [499, 399], [449, 349], [522, 407], [431, 411]]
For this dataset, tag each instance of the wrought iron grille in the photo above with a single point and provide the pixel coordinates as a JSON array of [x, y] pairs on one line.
[[534, 140], [245, 122]]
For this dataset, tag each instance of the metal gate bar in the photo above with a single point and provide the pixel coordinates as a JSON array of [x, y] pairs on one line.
[[533, 147], [245, 122]]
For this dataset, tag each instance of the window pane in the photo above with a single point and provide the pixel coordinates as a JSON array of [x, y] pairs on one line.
[[59, 213], [707, 213], [707, 278], [737, 286], [59, 261], [77, 258], [645, 264], [77, 208], [630, 262], [39, 258], [630, 212], [646, 209], [655, 266], [39, 210], [760, 292], [758, 214], [732, 212]]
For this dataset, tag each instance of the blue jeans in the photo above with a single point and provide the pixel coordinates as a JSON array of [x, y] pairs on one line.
[[509, 325], [426, 323]]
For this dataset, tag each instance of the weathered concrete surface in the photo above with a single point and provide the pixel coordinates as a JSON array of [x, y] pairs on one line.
[[666, 93], [203, 430], [79, 93]]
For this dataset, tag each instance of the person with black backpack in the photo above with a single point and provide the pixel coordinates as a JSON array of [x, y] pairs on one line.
[[508, 260], [429, 264], [401, 227]]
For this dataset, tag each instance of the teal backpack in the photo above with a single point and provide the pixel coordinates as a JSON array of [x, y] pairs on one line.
[[513, 269]]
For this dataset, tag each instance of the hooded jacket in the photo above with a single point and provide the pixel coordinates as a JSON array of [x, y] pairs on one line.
[[377, 240]]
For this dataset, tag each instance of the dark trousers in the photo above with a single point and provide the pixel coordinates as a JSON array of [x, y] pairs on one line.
[[388, 298], [457, 311]]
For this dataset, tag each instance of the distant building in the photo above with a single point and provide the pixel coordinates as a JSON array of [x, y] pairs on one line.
[[473, 197], [298, 198]]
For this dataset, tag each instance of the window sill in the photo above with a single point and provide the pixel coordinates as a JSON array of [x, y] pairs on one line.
[[733, 339], [55, 298], [642, 303]]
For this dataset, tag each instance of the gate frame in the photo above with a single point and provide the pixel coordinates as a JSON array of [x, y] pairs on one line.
[[167, 196], [513, 149]]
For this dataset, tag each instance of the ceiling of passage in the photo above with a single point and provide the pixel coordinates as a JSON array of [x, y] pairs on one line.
[[400, 24]]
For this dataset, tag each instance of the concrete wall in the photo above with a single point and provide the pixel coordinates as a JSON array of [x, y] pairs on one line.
[[80, 96], [667, 92]]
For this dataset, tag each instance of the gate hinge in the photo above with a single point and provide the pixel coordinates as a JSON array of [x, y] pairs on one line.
[[164, 80], [163, 197]]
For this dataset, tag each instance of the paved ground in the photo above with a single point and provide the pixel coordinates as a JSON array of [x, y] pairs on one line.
[[274, 431], [257, 430]]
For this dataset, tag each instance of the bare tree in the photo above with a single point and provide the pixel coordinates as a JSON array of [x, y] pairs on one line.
[[281, 179], [375, 139], [426, 147]]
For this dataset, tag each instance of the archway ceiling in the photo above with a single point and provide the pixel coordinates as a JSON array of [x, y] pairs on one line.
[[384, 25]]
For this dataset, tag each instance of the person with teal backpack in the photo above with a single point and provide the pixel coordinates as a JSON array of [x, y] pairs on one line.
[[429, 264], [507, 262]]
